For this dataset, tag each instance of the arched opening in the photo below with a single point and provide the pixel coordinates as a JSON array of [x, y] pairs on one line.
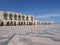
[[49, 23], [2, 23], [7, 24], [30, 23], [11, 23], [45, 23], [27, 18], [19, 23], [5, 15], [24, 23], [10, 16], [14, 23], [15, 17], [19, 17], [23, 17]]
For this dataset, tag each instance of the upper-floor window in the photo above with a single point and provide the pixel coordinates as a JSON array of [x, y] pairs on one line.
[[10, 16], [19, 17], [15, 17], [31, 18], [27, 18], [5, 15], [23, 17]]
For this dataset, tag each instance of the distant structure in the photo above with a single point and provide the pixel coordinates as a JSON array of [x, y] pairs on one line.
[[18, 19]]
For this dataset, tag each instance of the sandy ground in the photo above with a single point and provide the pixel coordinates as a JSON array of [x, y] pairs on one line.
[[30, 35]]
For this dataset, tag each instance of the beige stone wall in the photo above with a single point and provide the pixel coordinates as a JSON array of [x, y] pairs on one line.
[[14, 17], [20, 19]]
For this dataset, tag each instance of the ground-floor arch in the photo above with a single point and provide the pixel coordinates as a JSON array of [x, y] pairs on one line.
[[7, 23], [2, 23], [19, 23], [14, 23], [24, 23], [11, 23]]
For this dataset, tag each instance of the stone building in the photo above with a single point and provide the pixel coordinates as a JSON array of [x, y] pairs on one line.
[[44, 22], [15, 19]]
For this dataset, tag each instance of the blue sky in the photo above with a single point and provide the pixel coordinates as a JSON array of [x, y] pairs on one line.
[[48, 10]]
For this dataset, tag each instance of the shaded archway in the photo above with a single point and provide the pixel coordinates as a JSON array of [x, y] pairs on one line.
[[23, 17], [2, 23], [11, 23], [24, 23], [31, 18], [19, 23], [5, 15], [27, 18], [31, 23], [45, 23], [10, 16], [15, 17], [19, 17], [14, 23], [7, 24]]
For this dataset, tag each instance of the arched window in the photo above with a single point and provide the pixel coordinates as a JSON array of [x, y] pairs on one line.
[[15, 17], [2, 23], [19, 17], [31, 18], [5, 15], [27, 18], [10, 16]]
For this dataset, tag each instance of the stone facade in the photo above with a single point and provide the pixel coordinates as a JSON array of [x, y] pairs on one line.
[[17, 19]]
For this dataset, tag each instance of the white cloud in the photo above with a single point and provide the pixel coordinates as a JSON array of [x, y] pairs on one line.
[[47, 16]]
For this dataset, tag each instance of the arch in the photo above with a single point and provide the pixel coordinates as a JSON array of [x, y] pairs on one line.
[[15, 17], [19, 23], [11, 23], [7, 23], [24, 23], [2, 23], [23, 17], [5, 15], [27, 18], [14, 23], [45, 23], [10, 16], [19, 17]]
